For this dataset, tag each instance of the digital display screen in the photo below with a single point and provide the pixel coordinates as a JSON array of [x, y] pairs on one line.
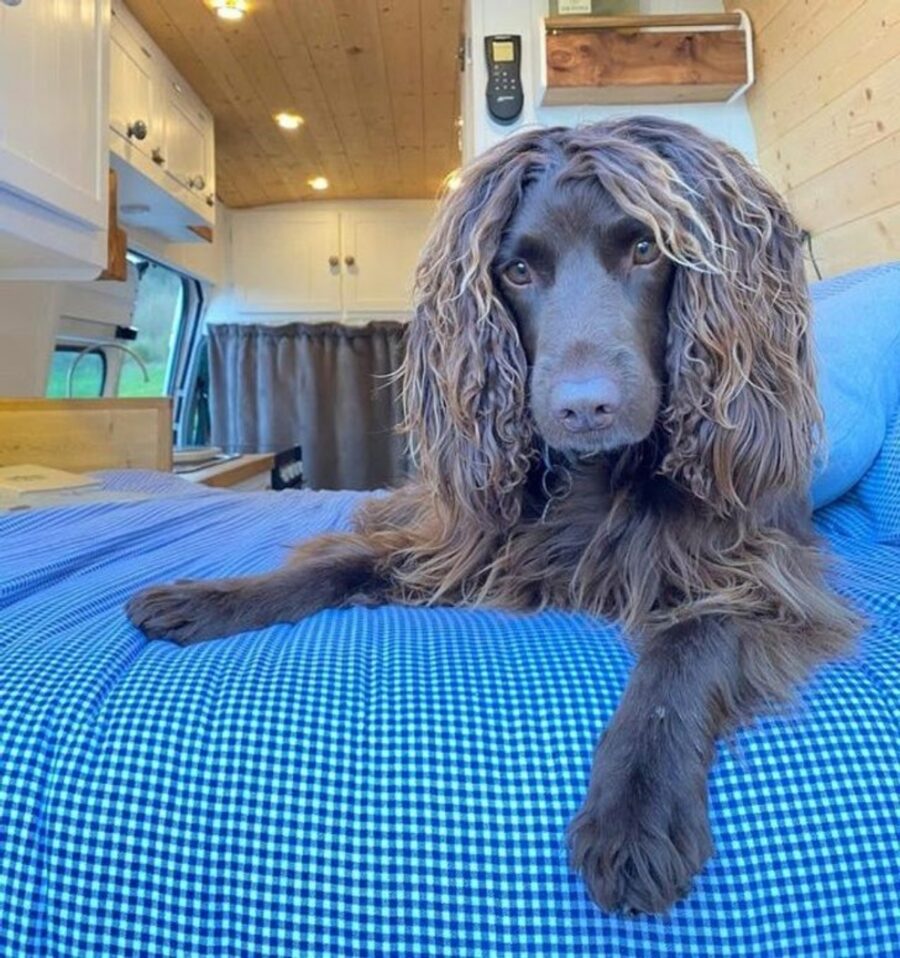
[[503, 51]]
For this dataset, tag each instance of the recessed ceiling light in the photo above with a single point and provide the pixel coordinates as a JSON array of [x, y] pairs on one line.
[[289, 121], [453, 181], [319, 183], [230, 9]]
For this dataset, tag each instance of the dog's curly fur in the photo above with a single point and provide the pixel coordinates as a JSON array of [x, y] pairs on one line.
[[697, 538]]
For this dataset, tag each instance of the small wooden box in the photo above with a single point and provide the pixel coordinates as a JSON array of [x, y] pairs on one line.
[[646, 59]]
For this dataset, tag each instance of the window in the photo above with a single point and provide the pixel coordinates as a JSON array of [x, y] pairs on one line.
[[88, 377], [158, 314], [141, 338], [193, 425]]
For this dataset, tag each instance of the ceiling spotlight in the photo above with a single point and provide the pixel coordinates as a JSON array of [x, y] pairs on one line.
[[230, 9], [318, 183], [453, 181], [289, 121]]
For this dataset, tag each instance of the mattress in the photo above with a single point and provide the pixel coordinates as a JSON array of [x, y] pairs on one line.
[[396, 781]]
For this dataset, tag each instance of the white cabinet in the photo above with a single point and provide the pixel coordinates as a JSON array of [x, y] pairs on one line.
[[313, 259], [161, 137], [286, 261], [188, 145], [379, 252], [53, 149], [133, 114]]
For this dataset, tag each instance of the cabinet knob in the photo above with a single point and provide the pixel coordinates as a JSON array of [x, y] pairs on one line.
[[210, 199], [333, 261], [158, 157], [136, 130], [350, 260], [196, 182]]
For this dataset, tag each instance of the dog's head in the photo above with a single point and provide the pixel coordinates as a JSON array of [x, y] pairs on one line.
[[587, 287]]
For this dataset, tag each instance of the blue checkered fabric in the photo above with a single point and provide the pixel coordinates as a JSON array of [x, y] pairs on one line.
[[390, 781]]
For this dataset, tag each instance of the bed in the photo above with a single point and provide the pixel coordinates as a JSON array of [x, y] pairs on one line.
[[390, 781]]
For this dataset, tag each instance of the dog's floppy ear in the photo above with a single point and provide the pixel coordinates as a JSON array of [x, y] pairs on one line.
[[465, 369], [742, 415]]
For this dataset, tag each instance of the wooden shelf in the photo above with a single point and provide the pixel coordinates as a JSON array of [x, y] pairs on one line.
[[667, 58]]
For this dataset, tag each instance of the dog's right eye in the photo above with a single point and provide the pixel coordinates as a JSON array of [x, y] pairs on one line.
[[645, 251], [517, 273]]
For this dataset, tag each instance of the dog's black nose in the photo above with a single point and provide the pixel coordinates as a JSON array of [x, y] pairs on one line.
[[585, 404]]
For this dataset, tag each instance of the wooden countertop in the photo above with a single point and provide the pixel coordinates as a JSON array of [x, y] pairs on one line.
[[233, 471]]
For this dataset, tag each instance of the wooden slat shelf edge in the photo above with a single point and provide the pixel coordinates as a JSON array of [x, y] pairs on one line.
[[638, 95], [642, 21]]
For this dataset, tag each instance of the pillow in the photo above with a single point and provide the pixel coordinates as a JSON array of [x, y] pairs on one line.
[[856, 332]]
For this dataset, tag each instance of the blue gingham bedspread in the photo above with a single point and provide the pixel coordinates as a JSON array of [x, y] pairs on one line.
[[395, 781]]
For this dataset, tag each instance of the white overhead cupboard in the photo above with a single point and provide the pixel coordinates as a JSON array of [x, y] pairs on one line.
[[83, 88], [53, 138], [161, 137], [341, 259]]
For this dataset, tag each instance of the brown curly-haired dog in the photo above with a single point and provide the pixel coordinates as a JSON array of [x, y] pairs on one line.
[[610, 396]]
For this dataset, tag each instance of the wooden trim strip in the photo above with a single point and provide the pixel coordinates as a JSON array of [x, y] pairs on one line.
[[639, 22]]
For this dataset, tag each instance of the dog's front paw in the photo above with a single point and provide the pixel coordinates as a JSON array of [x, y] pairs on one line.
[[185, 612], [637, 848]]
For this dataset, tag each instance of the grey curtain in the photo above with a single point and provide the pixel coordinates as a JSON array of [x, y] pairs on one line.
[[324, 386]]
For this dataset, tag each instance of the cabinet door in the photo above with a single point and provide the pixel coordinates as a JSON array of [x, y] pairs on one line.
[[209, 189], [53, 105], [133, 115], [281, 261], [379, 255], [188, 146]]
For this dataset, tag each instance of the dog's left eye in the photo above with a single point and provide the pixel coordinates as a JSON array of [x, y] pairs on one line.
[[645, 250], [517, 273]]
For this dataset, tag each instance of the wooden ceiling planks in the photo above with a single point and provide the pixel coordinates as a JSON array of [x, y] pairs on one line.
[[319, 27], [440, 46], [377, 82], [360, 37], [401, 31], [285, 39]]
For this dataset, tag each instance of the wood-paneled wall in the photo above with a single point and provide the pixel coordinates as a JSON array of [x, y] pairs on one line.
[[826, 111]]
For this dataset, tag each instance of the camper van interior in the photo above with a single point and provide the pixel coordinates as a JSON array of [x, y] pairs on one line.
[[450, 478]]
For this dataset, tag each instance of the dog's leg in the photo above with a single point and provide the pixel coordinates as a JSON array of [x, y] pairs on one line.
[[643, 833], [327, 571]]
